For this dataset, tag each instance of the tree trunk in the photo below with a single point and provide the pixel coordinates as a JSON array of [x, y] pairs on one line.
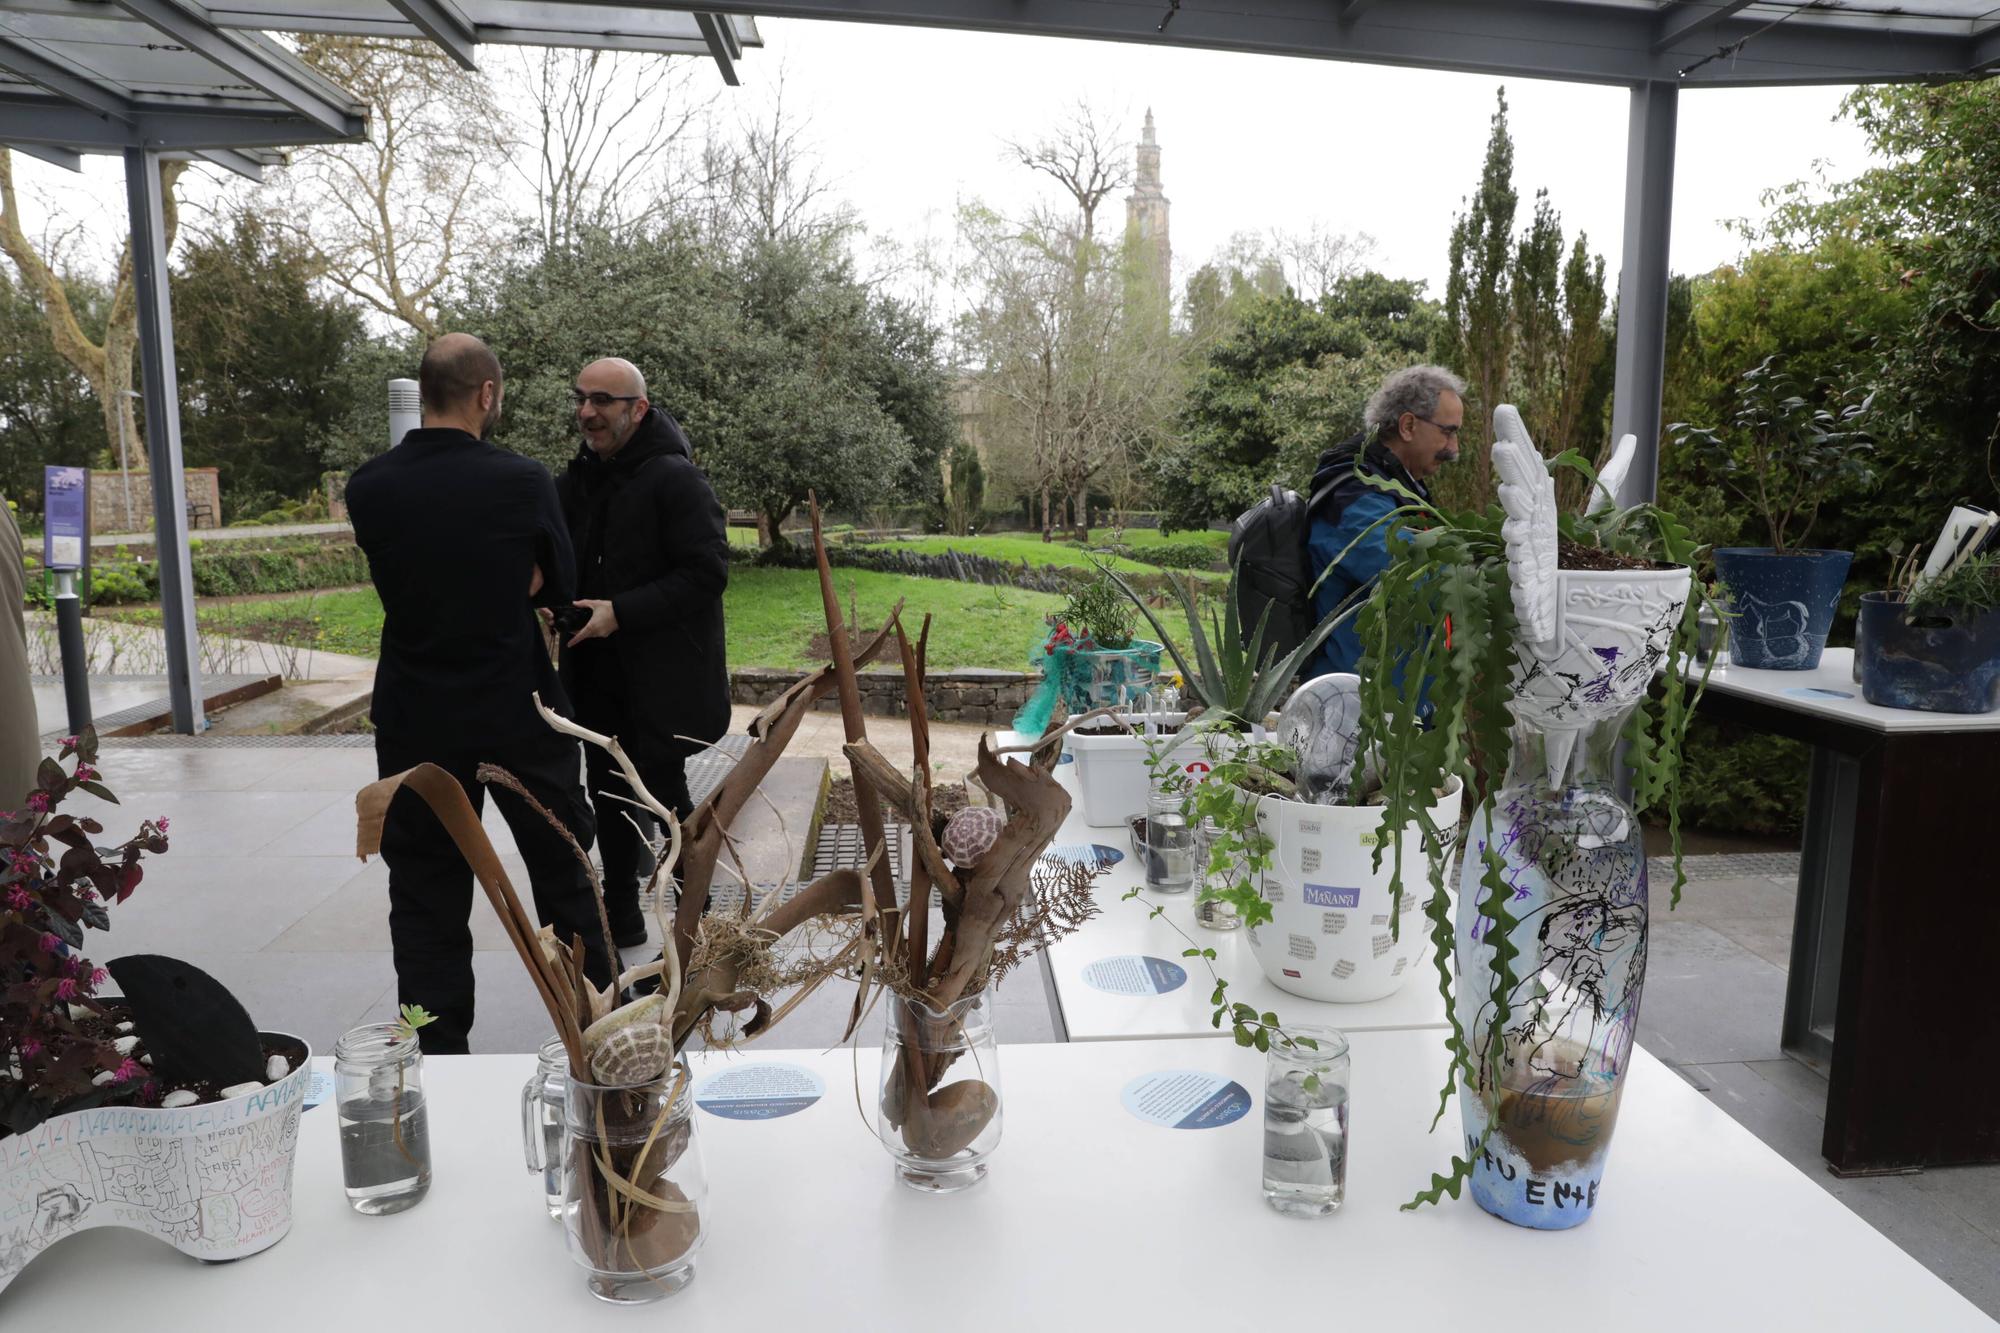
[[1048, 533], [769, 526], [1080, 515]]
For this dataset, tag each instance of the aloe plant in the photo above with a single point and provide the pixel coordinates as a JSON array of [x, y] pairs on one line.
[[1238, 680]]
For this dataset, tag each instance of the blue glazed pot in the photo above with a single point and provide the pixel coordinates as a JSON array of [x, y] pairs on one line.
[[1783, 604], [1946, 662]]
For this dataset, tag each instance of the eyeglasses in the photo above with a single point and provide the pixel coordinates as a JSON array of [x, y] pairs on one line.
[[1449, 432], [600, 401]]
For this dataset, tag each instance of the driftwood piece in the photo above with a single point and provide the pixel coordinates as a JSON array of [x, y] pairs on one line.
[[835, 894], [868, 812], [770, 731]]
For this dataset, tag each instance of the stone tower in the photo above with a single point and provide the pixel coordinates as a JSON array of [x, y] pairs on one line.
[[1146, 220]]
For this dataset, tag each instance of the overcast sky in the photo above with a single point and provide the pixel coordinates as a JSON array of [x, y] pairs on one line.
[[912, 121]]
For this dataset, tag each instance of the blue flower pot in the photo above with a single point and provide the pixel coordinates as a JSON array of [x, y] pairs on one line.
[[1783, 604], [1942, 661]]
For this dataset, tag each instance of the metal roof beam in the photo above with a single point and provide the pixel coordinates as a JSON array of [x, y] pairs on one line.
[[1684, 20], [36, 120], [1985, 52], [55, 157], [442, 23], [723, 48], [16, 57], [1551, 39], [258, 62], [231, 159]]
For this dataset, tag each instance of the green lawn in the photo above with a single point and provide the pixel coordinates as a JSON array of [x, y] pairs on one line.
[[771, 614]]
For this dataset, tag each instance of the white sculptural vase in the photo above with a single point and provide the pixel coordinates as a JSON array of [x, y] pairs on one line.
[[1330, 936], [214, 1181], [1573, 862]]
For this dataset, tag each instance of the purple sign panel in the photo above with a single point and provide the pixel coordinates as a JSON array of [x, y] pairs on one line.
[[65, 529]]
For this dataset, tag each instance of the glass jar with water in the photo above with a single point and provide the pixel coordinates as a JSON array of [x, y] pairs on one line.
[[542, 1120], [1305, 1122], [385, 1142]]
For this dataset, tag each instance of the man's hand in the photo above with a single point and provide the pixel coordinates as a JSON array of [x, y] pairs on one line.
[[603, 621]]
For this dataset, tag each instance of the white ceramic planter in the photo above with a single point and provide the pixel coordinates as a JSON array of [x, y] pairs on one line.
[[1329, 936], [1111, 775], [213, 1181]]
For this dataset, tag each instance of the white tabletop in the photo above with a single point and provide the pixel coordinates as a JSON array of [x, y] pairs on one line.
[[1090, 1218], [1830, 691], [1124, 929]]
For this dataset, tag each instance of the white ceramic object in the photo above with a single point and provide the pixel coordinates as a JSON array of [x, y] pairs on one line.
[[213, 1181], [1329, 936], [1111, 775]]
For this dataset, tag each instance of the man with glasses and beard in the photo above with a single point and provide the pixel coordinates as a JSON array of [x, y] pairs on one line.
[[1409, 430], [646, 664], [463, 540]]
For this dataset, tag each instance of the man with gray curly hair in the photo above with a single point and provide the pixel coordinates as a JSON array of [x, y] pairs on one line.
[[1410, 430]]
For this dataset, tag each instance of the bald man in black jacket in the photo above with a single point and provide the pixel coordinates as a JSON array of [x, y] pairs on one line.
[[463, 541]]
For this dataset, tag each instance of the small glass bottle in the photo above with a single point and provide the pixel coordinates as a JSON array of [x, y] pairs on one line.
[[542, 1120], [1305, 1122], [385, 1144], [1214, 913], [1169, 849]]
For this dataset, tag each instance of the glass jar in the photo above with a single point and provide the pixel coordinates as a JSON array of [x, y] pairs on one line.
[[1168, 853], [1215, 913], [542, 1120], [940, 1099], [635, 1239], [385, 1143], [1305, 1122]]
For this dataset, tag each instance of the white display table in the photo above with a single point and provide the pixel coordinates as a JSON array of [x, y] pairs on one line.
[[1126, 930], [1091, 1218], [1830, 691]]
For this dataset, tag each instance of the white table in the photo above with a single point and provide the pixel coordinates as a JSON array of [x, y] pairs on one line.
[[1090, 1219], [1896, 914], [1125, 929]]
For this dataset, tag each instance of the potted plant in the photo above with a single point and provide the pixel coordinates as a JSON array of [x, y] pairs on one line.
[[1538, 638], [1233, 677], [164, 1110], [1785, 448], [1934, 644], [1092, 650]]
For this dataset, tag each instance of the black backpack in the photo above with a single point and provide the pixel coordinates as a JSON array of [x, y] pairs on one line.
[[1267, 548]]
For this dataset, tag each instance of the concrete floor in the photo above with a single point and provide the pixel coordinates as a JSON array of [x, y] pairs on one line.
[[263, 890]]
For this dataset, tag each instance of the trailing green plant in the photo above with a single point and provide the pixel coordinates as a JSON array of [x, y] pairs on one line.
[[1098, 611], [1438, 640], [1785, 447]]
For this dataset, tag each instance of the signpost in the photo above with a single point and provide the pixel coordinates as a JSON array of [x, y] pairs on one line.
[[65, 541]]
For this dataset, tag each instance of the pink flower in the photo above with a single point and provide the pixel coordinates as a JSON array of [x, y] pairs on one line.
[[128, 1071], [72, 965], [84, 773], [25, 860], [50, 943], [87, 895], [66, 988], [70, 742], [161, 823], [98, 976], [17, 898], [31, 1048], [39, 802]]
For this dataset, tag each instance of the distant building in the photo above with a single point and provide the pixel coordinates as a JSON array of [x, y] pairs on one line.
[[1146, 224]]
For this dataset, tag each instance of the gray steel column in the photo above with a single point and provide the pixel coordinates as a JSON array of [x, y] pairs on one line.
[[1642, 282], [161, 385]]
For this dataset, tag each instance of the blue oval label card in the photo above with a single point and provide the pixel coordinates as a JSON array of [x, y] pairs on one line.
[[758, 1091], [1186, 1099], [1094, 855], [1134, 974]]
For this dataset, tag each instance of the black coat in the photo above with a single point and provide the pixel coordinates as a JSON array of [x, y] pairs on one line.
[[651, 538], [453, 529]]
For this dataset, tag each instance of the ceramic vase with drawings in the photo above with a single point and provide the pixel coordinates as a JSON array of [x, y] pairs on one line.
[[1574, 867]]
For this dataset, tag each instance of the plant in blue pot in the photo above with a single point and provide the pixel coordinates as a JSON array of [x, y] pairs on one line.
[[1786, 447]]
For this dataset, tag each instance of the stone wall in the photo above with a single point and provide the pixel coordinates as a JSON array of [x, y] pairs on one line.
[[107, 499], [989, 698]]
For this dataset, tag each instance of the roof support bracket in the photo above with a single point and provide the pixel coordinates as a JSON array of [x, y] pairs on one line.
[[719, 31], [441, 21]]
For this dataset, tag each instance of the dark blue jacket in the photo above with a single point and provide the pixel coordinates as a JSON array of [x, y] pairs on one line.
[[1346, 507]]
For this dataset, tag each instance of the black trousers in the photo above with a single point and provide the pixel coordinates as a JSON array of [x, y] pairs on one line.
[[431, 887], [664, 771]]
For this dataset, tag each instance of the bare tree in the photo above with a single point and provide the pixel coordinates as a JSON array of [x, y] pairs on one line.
[[107, 365], [1087, 155], [1317, 259], [779, 189], [603, 139], [388, 219]]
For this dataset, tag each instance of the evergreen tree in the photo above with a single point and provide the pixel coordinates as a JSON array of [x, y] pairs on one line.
[[1477, 336]]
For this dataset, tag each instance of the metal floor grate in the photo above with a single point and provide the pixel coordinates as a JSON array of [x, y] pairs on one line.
[[1726, 865]]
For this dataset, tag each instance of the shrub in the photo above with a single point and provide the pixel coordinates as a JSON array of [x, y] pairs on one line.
[[1184, 555]]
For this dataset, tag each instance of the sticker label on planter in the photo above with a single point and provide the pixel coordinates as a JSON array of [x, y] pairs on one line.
[[319, 1088], [1186, 1099], [758, 1091], [1134, 974], [1327, 895], [1093, 854]]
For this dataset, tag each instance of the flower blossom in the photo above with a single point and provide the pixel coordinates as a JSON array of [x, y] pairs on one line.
[[84, 773], [128, 1071], [17, 898], [98, 976], [39, 802], [66, 989], [161, 823], [49, 943]]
